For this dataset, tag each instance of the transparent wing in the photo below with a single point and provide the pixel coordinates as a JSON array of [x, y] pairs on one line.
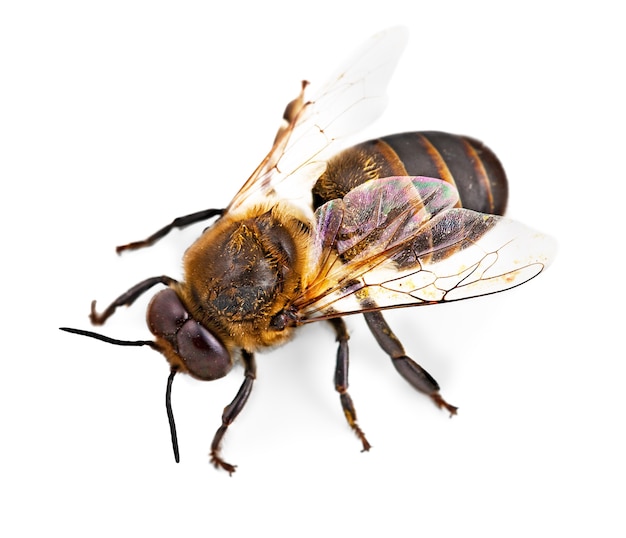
[[351, 99], [400, 242]]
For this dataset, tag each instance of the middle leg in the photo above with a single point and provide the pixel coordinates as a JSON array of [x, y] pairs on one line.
[[341, 380]]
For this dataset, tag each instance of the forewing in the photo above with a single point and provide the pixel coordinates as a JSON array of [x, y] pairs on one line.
[[351, 99], [396, 245]]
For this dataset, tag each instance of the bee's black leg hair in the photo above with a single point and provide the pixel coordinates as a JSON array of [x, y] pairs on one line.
[[232, 410], [408, 368], [127, 298], [341, 379], [179, 222]]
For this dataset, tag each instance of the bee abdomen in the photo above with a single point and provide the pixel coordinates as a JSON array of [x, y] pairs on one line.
[[463, 161], [460, 160]]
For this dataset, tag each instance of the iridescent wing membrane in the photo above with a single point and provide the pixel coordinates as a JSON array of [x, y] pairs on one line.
[[400, 241]]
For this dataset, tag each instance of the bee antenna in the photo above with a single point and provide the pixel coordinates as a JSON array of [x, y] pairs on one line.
[[110, 340], [170, 379], [170, 414]]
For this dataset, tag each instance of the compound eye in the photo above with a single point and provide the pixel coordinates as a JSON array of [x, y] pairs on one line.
[[166, 314], [205, 356]]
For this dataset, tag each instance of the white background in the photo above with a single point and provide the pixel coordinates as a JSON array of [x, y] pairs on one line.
[[118, 116]]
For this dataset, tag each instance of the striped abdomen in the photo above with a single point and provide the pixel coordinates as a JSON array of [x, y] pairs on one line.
[[462, 161]]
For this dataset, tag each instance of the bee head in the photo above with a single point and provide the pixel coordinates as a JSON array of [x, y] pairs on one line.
[[186, 344]]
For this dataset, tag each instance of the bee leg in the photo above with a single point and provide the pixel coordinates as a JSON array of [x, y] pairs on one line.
[[341, 380], [232, 410], [179, 222], [127, 298], [408, 368]]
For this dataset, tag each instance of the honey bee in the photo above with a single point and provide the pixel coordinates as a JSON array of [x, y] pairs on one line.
[[405, 220]]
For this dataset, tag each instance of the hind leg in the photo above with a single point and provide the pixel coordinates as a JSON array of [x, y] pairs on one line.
[[419, 378]]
